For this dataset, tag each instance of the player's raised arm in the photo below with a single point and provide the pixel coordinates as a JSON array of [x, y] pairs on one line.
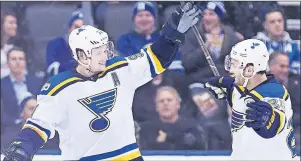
[[157, 57]]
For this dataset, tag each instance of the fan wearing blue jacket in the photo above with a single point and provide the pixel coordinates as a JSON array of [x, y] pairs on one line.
[[144, 33], [58, 55]]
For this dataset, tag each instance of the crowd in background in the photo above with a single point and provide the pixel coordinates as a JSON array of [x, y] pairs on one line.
[[173, 111]]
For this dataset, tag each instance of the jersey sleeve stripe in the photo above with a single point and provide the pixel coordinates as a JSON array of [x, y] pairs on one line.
[[256, 94], [285, 96], [152, 68], [58, 87], [44, 133], [282, 120], [114, 66], [155, 61], [115, 153], [129, 156]]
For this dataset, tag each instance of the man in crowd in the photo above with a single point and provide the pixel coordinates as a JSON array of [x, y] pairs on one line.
[[17, 85], [219, 39], [276, 38], [58, 55], [171, 131], [279, 67]]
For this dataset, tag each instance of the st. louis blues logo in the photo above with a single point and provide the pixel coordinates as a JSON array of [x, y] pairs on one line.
[[237, 121], [100, 105]]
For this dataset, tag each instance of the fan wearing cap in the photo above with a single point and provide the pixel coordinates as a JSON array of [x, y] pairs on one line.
[[144, 33], [58, 53], [219, 39]]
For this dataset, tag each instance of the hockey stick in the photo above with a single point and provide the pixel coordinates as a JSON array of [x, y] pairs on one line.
[[202, 44]]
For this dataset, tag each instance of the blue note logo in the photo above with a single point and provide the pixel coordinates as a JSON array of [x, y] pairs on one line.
[[100, 105], [254, 44]]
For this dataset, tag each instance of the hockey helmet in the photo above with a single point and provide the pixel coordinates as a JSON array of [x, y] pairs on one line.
[[251, 51], [86, 38]]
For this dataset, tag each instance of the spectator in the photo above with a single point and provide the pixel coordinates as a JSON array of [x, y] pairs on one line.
[[8, 30], [27, 107], [144, 33], [279, 66], [17, 84], [58, 55], [219, 40], [276, 39], [171, 131], [212, 116], [144, 104]]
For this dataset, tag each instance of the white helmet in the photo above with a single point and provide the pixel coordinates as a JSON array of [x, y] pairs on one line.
[[251, 51], [86, 38]]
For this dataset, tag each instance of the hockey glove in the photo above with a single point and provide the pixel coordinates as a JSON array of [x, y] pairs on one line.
[[19, 150], [220, 86], [260, 114], [181, 20]]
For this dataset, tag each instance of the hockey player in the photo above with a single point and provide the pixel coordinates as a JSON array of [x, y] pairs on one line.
[[261, 123], [90, 107]]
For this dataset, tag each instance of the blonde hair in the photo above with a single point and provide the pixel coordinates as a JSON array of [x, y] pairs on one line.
[[171, 90]]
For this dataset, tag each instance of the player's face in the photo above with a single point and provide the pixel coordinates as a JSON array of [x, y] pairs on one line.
[[28, 109], [144, 22], [274, 23], [235, 70], [210, 19], [10, 26], [16, 62], [98, 59], [280, 68], [167, 104]]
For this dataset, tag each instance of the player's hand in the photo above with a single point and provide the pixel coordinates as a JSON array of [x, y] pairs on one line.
[[260, 114], [18, 150], [181, 20], [220, 85]]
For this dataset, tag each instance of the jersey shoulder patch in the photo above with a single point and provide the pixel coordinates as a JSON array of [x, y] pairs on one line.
[[113, 64], [58, 82], [271, 89]]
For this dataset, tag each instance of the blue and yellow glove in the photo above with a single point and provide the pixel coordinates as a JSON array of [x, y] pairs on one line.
[[262, 118], [19, 150], [220, 86]]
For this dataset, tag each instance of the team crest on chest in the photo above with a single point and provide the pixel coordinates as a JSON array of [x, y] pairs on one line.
[[100, 105], [237, 120]]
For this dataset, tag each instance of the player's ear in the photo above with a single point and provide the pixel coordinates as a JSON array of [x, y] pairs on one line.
[[248, 72], [82, 57]]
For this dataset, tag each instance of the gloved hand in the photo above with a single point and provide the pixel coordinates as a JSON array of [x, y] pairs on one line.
[[181, 20], [19, 150], [220, 86], [261, 113]]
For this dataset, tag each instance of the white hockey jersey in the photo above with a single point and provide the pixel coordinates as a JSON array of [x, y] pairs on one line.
[[247, 144], [94, 116]]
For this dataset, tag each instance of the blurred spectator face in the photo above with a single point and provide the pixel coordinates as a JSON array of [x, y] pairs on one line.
[[280, 68], [274, 24], [144, 22], [76, 24], [29, 108], [210, 19], [9, 26], [167, 103], [205, 102], [16, 62]]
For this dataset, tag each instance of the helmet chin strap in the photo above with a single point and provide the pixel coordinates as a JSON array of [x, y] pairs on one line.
[[86, 66], [246, 80]]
